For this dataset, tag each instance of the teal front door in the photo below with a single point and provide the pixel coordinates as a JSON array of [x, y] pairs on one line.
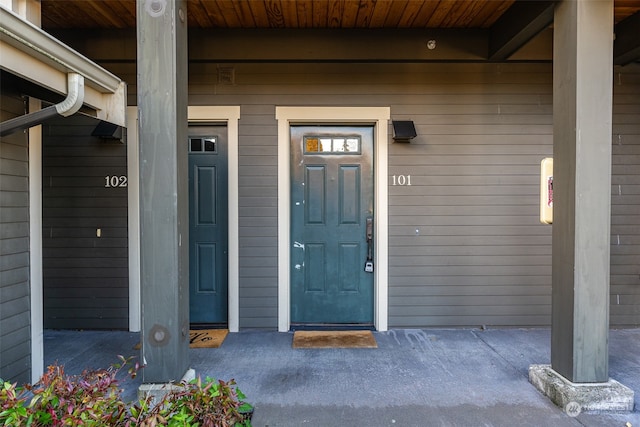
[[331, 203], [208, 236]]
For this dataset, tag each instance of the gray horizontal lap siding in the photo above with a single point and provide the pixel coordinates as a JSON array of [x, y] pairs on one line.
[[465, 243], [85, 276], [258, 201], [15, 317], [625, 198]]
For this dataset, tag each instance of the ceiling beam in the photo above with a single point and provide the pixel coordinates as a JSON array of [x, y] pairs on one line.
[[626, 48], [338, 45], [519, 24]]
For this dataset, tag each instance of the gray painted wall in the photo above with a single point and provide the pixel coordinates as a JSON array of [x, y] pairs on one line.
[[625, 198], [85, 277], [15, 341], [466, 245]]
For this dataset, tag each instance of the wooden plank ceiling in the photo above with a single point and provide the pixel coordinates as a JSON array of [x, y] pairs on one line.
[[68, 14]]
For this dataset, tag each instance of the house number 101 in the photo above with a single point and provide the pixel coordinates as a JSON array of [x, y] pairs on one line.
[[401, 179], [113, 181]]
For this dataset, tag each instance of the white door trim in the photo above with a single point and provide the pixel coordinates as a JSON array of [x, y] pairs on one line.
[[230, 115], [133, 213], [379, 116], [35, 246]]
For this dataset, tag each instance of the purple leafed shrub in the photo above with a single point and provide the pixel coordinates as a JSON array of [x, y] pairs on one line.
[[94, 399]]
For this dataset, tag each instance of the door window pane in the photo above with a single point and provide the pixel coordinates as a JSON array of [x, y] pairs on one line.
[[338, 144], [195, 145], [210, 145], [203, 144]]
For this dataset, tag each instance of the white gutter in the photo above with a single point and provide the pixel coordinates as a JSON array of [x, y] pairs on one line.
[[66, 108], [26, 37], [75, 95], [36, 56]]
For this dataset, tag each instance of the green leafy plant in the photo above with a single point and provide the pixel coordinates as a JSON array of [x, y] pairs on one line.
[[94, 399], [207, 403]]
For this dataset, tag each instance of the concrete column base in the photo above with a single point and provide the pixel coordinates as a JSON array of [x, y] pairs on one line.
[[574, 398], [158, 391]]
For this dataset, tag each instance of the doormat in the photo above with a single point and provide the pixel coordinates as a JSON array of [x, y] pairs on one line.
[[207, 338], [334, 339], [202, 338]]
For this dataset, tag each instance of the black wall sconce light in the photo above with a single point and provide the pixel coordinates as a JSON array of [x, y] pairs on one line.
[[108, 131], [403, 130]]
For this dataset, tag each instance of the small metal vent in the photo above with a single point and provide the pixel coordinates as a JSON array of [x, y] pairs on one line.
[[226, 76]]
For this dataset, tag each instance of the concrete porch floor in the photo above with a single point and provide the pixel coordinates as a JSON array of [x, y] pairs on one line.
[[416, 377]]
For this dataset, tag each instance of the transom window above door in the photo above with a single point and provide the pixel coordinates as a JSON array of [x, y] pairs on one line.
[[327, 144], [203, 144]]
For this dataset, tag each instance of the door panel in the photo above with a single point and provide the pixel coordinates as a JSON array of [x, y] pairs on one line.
[[208, 234], [348, 200], [205, 194], [314, 264], [332, 196], [205, 279]]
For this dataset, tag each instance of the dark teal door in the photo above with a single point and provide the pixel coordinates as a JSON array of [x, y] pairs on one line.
[[331, 199], [208, 236]]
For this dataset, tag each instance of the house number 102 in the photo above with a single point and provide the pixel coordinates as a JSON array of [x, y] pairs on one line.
[[401, 179], [113, 181]]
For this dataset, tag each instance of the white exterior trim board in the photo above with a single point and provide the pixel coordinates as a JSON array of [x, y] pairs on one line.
[[35, 247], [379, 116], [133, 213]]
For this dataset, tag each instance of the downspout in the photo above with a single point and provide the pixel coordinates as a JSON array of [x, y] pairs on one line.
[[70, 105]]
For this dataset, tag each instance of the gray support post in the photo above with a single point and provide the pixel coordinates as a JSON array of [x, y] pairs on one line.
[[582, 116], [162, 103], [578, 377]]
